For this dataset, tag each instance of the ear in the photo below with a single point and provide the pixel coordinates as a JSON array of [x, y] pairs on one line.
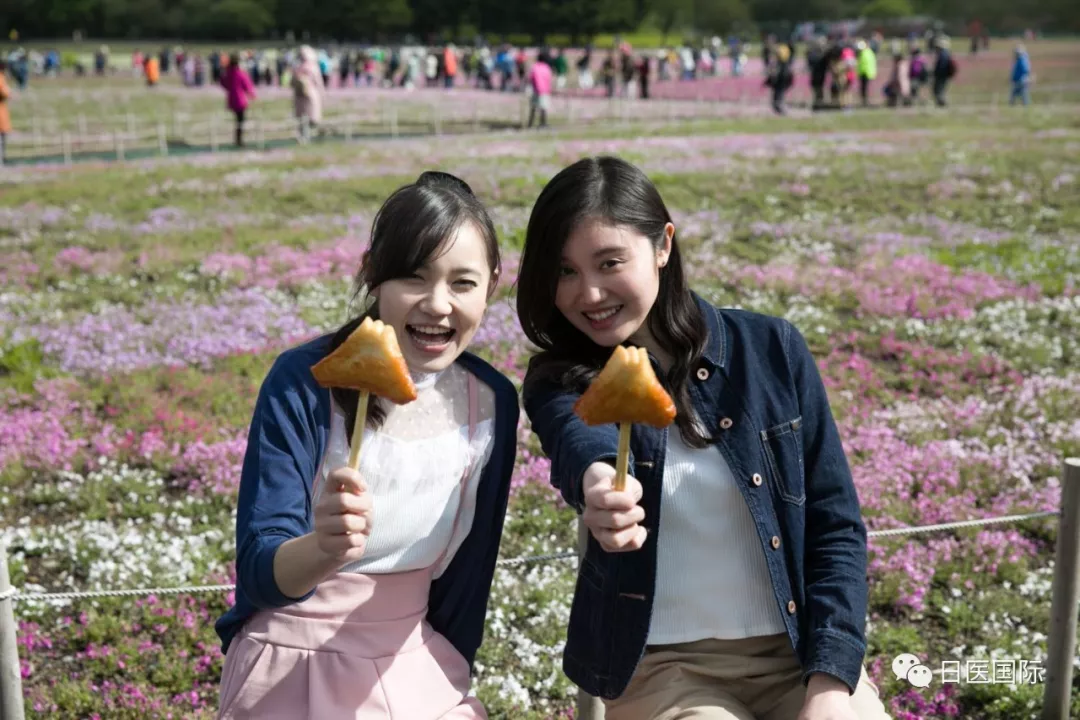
[[664, 252]]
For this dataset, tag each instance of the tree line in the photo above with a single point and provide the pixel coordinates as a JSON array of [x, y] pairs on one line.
[[433, 20]]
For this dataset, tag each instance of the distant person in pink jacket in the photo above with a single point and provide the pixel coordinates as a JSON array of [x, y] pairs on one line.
[[540, 79], [239, 91]]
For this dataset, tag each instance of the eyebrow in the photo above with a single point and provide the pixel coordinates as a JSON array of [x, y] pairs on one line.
[[605, 252]]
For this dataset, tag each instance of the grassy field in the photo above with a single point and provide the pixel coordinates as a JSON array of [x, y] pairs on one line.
[[931, 259]]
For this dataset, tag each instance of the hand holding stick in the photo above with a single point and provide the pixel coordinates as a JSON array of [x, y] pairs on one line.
[[625, 392]]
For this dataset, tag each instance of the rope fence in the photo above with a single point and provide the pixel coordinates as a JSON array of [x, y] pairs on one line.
[[123, 137], [62, 138], [12, 594], [1063, 614]]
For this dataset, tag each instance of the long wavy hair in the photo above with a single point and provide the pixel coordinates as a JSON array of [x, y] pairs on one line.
[[616, 192]]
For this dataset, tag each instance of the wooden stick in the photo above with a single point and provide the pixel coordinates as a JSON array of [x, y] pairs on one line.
[[358, 430], [622, 460]]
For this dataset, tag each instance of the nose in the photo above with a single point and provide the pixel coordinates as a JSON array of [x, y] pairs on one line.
[[591, 292], [437, 301]]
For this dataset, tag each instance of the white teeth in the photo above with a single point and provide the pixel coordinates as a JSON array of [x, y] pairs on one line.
[[431, 329], [597, 317]]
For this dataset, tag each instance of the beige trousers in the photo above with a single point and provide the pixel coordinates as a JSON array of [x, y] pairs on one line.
[[753, 679]]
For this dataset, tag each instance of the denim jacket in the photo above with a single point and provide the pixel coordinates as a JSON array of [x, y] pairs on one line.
[[758, 391]]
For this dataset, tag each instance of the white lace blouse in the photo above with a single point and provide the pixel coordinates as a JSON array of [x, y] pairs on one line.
[[413, 466]]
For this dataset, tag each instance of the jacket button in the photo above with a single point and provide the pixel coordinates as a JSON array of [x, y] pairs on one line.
[[756, 479], [725, 424], [791, 607], [702, 374], [775, 542]]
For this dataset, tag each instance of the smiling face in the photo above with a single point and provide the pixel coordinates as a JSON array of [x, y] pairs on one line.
[[436, 311], [609, 280]]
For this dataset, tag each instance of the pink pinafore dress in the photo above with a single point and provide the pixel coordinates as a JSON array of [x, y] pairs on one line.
[[359, 648]]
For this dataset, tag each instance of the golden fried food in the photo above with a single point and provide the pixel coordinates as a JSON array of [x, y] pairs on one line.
[[370, 359], [626, 391]]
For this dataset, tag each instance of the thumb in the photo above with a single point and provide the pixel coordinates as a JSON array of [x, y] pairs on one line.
[[599, 475]]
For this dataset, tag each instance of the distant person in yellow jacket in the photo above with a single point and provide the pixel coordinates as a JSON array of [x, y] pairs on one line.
[[867, 66]]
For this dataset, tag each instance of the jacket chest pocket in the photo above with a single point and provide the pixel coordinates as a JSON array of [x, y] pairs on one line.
[[784, 456]]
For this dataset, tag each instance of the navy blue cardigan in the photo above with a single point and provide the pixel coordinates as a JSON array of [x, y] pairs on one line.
[[289, 431]]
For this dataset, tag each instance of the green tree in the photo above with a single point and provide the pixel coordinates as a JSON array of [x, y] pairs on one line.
[[720, 16], [671, 15], [888, 9]]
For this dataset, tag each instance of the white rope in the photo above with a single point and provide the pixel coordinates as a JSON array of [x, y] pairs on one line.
[[510, 562], [15, 596], [12, 594], [890, 532], [135, 592]]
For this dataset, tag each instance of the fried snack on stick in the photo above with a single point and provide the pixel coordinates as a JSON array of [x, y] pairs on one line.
[[625, 392], [370, 361]]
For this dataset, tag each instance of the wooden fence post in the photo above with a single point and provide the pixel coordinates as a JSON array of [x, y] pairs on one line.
[[588, 707], [1065, 599], [11, 696]]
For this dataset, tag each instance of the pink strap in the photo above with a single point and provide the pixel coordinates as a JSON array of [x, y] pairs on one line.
[[474, 405], [474, 412]]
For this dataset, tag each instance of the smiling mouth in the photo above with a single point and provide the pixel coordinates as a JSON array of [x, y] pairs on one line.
[[430, 336], [601, 316]]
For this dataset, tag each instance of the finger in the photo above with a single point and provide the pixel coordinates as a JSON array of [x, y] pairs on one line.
[[613, 501], [597, 491], [639, 540], [338, 544], [344, 502], [620, 520], [599, 475], [633, 488], [632, 538], [345, 479], [342, 524]]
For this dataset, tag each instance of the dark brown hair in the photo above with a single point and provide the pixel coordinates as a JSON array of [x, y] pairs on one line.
[[613, 191], [413, 226]]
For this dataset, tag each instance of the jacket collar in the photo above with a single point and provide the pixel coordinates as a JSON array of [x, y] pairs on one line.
[[718, 345]]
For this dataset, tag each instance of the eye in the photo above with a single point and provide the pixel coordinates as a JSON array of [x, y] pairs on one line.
[[609, 264], [566, 271], [466, 284]]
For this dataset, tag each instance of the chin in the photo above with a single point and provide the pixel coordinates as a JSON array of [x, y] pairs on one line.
[[431, 364], [607, 338]]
